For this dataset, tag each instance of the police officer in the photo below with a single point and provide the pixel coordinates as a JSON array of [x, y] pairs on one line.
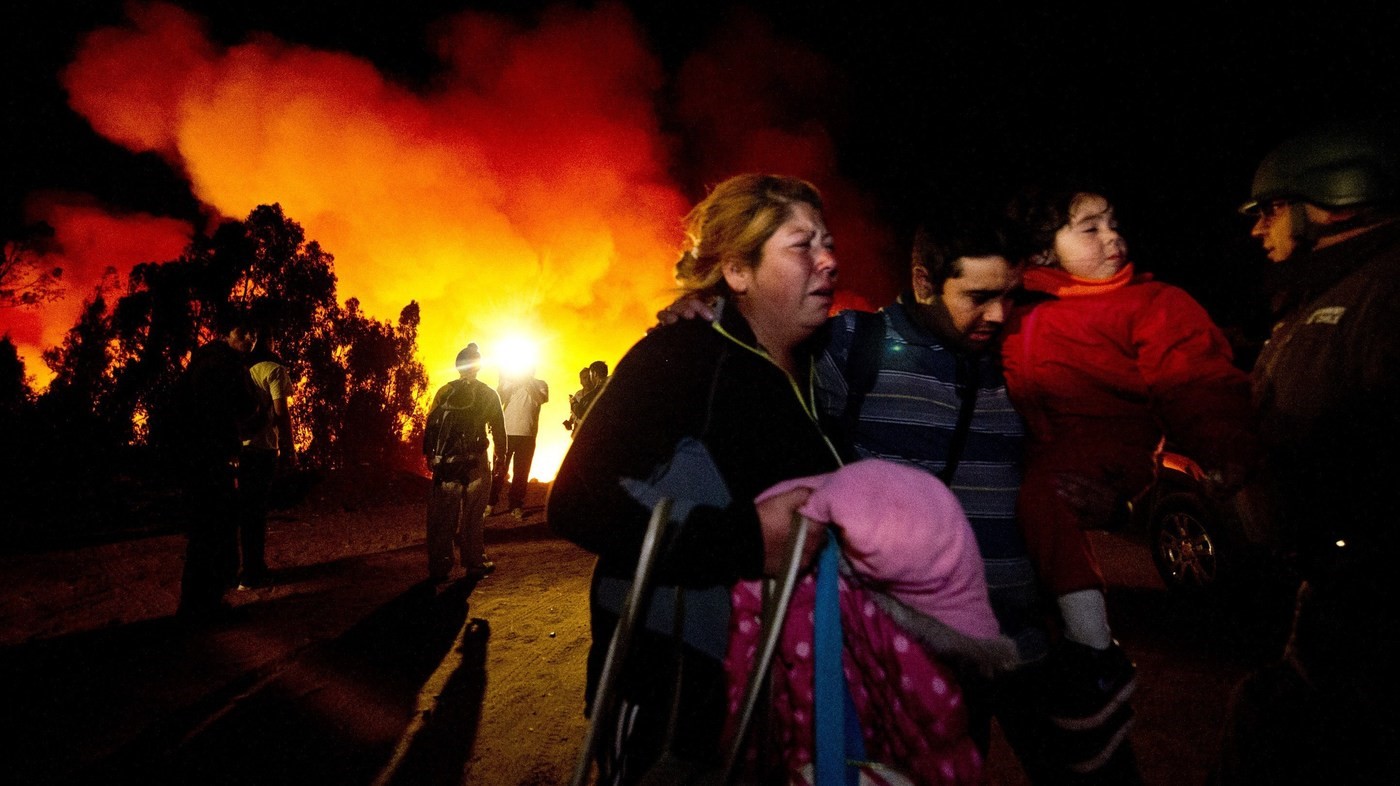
[[1327, 392]]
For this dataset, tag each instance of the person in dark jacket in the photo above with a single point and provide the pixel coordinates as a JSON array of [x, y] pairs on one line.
[[214, 400], [920, 382], [592, 378], [738, 391], [896, 385], [578, 402], [1326, 206]]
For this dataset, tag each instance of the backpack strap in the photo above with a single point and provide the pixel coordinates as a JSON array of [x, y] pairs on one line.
[[969, 377], [863, 361]]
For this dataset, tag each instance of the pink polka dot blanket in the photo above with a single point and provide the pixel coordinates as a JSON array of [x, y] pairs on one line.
[[911, 564], [909, 704]]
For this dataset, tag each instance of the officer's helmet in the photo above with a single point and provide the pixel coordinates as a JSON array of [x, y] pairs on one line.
[[1331, 167]]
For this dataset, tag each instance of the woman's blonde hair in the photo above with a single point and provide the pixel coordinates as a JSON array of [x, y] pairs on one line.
[[733, 223]]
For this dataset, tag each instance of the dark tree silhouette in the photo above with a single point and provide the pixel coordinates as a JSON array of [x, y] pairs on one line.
[[79, 399], [15, 394], [382, 384], [357, 381], [20, 426], [24, 278], [76, 445]]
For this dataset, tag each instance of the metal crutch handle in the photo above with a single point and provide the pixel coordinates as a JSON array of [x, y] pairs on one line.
[[604, 699], [774, 617]]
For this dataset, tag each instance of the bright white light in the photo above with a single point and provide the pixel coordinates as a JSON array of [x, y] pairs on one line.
[[515, 355]]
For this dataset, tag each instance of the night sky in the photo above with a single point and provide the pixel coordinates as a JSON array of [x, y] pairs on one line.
[[1171, 105]]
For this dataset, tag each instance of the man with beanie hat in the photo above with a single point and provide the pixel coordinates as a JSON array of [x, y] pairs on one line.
[[455, 444]]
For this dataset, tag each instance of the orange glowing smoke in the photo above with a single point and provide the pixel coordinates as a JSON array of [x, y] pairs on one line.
[[96, 249], [527, 192]]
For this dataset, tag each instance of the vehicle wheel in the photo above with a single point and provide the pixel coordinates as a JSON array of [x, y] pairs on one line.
[[1187, 543]]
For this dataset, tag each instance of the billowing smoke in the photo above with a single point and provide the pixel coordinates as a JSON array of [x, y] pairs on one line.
[[95, 248], [530, 191]]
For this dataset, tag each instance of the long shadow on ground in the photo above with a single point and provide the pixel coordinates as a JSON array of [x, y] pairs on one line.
[[336, 712]]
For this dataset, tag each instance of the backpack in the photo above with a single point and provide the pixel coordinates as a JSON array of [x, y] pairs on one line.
[[211, 405], [455, 430], [863, 362]]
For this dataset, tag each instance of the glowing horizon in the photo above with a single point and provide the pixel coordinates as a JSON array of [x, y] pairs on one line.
[[528, 190]]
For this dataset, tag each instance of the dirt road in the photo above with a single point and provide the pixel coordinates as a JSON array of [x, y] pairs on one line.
[[347, 670], [350, 670]]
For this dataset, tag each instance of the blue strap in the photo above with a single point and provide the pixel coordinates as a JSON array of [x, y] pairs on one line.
[[837, 726]]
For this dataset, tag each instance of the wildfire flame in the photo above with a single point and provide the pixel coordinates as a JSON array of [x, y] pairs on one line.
[[528, 192]]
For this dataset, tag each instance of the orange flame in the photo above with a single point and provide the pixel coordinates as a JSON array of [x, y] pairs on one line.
[[526, 192], [96, 249]]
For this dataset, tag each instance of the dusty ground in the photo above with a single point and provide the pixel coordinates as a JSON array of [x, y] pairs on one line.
[[348, 665], [351, 670]]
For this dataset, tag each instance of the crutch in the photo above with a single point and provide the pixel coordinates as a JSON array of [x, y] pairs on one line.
[[605, 698], [774, 615]]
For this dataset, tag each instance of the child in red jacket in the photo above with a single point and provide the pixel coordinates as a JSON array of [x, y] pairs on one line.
[[1103, 363]]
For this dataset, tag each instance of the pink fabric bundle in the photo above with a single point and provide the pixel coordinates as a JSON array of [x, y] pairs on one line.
[[905, 533], [910, 706]]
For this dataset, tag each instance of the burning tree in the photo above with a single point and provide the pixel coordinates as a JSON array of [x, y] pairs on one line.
[[370, 407], [357, 380]]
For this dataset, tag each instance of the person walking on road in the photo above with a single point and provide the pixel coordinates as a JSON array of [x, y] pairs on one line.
[[455, 444]]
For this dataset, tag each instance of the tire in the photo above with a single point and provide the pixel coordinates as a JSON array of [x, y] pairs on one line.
[[1188, 544]]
